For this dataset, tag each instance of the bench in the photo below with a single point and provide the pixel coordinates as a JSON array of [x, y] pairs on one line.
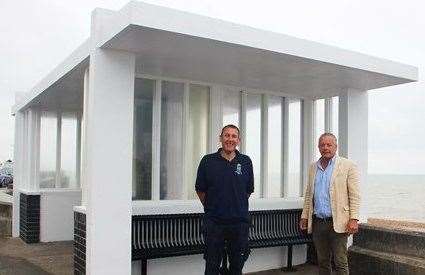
[[168, 235]]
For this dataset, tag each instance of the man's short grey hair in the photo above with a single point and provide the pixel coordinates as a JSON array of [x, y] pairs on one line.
[[328, 135]]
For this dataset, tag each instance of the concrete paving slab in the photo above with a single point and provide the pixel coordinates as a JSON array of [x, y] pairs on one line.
[[56, 258]]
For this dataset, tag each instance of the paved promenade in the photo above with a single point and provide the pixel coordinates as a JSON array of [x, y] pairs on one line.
[[19, 258]]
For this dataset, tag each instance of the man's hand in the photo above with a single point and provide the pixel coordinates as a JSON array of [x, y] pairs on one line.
[[201, 196], [303, 224], [352, 226]]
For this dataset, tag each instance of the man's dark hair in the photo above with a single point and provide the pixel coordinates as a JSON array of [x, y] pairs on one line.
[[232, 127]]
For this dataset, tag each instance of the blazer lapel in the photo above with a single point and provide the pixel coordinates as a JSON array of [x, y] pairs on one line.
[[335, 171], [313, 177]]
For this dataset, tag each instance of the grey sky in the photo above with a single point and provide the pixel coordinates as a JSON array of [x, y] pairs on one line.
[[37, 35]]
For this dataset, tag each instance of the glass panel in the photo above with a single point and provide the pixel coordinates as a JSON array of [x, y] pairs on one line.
[[171, 167], [335, 115], [48, 132], [68, 177], [253, 138], [231, 107], [142, 154], [294, 148], [319, 124], [199, 101], [274, 149]]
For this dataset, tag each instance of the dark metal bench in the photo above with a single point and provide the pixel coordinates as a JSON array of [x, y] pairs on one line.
[[159, 236]]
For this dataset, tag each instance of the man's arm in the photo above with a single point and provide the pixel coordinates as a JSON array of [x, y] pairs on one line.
[[250, 187], [201, 181], [201, 196], [353, 199], [307, 204], [353, 192]]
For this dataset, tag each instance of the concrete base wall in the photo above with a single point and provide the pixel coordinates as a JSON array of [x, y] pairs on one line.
[[5, 220], [260, 259], [57, 214]]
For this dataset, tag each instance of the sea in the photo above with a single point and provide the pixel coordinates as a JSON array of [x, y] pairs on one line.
[[396, 197]]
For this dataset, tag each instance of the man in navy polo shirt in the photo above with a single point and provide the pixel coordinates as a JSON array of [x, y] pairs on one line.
[[224, 183]]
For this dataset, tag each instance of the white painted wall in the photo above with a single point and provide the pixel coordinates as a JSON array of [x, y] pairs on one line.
[[260, 259], [18, 171], [57, 214], [108, 156], [353, 132]]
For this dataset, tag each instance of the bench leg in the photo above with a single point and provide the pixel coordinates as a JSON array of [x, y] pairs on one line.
[[289, 267], [144, 267]]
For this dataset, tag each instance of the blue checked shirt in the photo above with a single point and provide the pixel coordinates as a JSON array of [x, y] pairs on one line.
[[322, 201]]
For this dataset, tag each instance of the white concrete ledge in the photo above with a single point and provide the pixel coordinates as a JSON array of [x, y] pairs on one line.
[[80, 209], [5, 198], [194, 206], [60, 190], [29, 192]]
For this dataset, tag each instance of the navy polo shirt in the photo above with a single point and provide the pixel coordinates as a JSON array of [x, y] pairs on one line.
[[226, 185]]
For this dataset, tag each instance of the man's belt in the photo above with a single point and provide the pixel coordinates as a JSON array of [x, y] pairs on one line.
[[325, 219]]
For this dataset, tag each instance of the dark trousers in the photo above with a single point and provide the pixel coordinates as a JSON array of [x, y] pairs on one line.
[[328, 243], [236, 238]]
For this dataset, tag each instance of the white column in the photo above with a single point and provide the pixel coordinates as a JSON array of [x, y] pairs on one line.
[[83, 142], [18, 171], [216, 117], [33, 150], [308, 142], [156, 141], [328, 115], [353, 129], [109, 154], [242, 123], [58, 180], [264, 146], [284, 148]]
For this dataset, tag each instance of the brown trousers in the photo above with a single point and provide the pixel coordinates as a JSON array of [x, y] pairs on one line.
[[328, 243]]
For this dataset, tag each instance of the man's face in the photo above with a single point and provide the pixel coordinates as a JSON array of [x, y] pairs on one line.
[[229, 139], [327, 147]]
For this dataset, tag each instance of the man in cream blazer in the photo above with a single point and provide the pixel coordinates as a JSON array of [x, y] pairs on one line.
[[331, 205]]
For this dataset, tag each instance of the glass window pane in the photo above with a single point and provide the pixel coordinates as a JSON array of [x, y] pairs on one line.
[[171, 167], [68, 177], [142, 154], [274, 149], [335, 115], [231, 107], [199, 102], [253, 139], [48, 132], [319, 124], [294, 148]]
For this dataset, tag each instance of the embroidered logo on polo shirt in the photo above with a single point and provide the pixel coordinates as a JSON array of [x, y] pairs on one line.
[[238, 169]]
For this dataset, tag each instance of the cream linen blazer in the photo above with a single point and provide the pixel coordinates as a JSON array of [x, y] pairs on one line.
[[344, 194]]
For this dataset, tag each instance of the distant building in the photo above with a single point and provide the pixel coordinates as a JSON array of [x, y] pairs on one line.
[[118, 128]]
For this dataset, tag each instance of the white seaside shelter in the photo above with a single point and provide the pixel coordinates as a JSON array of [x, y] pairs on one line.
[[118, 128]]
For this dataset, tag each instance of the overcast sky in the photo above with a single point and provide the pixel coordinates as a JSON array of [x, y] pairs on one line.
[[37, 34]]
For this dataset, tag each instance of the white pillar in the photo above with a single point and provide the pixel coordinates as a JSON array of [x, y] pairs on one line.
[[83, 155], [286, 158], [328, 115], [33, 150], [353, 129], [18, 176], [216, 117], [308, 141], [109, 153]]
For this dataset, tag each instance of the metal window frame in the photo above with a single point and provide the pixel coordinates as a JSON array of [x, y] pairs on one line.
[[215, 119]]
